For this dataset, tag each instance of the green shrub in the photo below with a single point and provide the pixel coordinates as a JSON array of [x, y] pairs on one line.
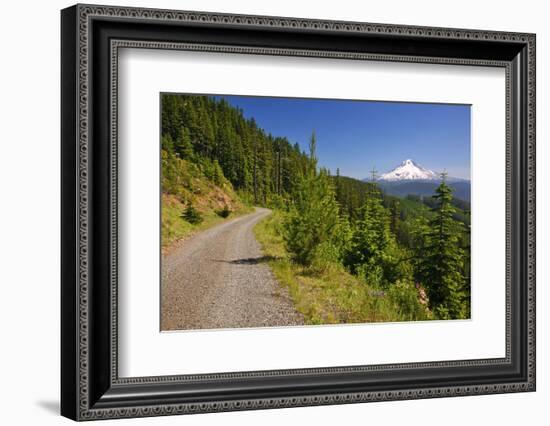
[[372, 273], [278, 202], [225, 212], [192, 215], [404, 296], [325, 258]]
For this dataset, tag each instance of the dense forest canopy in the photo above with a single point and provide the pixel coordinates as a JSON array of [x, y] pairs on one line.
[[409, 242]]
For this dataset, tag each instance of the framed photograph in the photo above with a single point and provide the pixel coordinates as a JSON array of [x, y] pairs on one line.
[[263, 212]]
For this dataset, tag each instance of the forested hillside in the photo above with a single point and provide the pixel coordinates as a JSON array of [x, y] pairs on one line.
[[461, 189], [347, 251], [216, 136]]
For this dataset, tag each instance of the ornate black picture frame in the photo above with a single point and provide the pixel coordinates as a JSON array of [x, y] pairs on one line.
[[91, 36]]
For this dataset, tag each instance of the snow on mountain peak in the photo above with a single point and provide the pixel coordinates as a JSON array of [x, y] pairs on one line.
[[409, 170]]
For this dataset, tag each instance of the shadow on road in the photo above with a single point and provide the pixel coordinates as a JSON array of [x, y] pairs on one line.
[[247, 261]]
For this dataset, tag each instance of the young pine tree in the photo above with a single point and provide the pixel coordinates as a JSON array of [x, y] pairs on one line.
[[440, 262], [373, 246], [313, 227], [192, 215]]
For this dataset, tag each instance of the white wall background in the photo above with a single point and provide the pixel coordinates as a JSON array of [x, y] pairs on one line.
[[29, 211]]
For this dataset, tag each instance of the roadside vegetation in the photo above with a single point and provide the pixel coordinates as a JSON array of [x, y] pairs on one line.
[[327, 293]]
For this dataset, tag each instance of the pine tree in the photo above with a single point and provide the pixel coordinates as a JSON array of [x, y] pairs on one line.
[[192, 215], [372, 242], [313, 226], [441, 259], [395, 214], [338, 186], [183, 145], [171, 119], [167, 143]]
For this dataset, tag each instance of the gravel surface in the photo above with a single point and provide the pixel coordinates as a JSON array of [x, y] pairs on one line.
[[219, 279]]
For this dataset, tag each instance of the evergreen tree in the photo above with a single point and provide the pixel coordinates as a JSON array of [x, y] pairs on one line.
[[182, 145], [313, 226], [167, 144], [372, 244], [395, 213], [171, 120], [338, 185], [192, 215], [440, 259]]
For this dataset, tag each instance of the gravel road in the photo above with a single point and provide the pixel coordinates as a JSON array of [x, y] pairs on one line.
[[219, 279]]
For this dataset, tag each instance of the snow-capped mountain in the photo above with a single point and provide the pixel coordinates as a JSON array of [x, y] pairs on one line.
[[409, 170], [411, 178]]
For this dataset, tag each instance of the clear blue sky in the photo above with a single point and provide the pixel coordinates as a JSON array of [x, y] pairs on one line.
[[359, 135]]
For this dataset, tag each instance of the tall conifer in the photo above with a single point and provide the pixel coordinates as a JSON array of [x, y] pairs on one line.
[[313, 224], [441, 260]]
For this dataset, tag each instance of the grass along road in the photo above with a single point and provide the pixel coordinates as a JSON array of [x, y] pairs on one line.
[[219, 278]]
